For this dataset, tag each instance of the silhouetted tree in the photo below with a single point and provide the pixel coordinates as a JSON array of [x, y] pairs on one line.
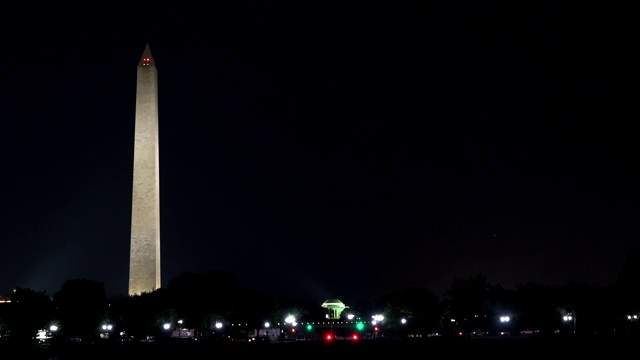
[[253, 308], [420, 307], [537, 306], [30, 311], [592, 307], [82, 308], [201, 299], [141, 316], [467, 304], [626, 285]]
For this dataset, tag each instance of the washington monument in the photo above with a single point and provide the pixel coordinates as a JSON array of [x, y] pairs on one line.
[[144, 262]]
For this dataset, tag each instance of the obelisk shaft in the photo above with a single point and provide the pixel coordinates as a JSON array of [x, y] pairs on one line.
[[144, 265]]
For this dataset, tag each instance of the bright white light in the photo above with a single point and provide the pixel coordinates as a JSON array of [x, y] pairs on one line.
[[567, 318], [267, 324], [53, 328], [107, 327], [505, 319], [290, 319], [166, 326], [403, 321], [350, 316], [218, 325]]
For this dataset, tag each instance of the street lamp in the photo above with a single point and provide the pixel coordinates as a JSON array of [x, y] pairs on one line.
[[570, 319], [505, 319], [266, 330], [106, 328], [291, 320]]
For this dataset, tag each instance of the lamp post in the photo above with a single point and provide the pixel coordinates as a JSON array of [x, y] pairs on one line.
[[505, 319], [571, 320], [266, 330], [107, 329], [377, 319], [634, 322], [291, 320]]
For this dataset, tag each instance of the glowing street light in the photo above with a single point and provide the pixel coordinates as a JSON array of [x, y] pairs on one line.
[[571, 320], [107, 329]]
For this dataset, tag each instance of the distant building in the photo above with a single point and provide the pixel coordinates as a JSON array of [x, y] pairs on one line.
[[5, 299], [334, 307]]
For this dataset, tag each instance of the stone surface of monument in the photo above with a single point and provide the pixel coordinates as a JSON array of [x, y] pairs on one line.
[[144, 263]]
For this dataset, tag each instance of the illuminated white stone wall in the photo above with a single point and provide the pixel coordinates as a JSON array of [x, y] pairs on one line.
[[144, 265]]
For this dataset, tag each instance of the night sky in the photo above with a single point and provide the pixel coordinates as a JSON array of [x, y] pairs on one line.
[[331, 149]]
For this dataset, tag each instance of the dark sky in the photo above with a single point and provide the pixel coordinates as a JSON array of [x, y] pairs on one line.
[[323, 148]]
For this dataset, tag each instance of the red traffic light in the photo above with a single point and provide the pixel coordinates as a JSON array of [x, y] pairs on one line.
[[355, 337], [328, 337]]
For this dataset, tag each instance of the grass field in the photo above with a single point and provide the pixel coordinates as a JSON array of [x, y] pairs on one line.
[[507, 348]]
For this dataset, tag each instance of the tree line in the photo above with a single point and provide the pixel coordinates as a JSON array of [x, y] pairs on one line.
[[471, 307]]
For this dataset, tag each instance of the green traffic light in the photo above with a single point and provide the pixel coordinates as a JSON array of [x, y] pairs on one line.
[[309, 327], [359, 326]]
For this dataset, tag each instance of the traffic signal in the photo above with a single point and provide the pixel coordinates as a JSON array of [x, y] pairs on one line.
[[309, 327], [360, 326]]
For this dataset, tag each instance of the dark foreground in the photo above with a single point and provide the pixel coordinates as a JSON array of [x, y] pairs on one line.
[[510, 348]]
